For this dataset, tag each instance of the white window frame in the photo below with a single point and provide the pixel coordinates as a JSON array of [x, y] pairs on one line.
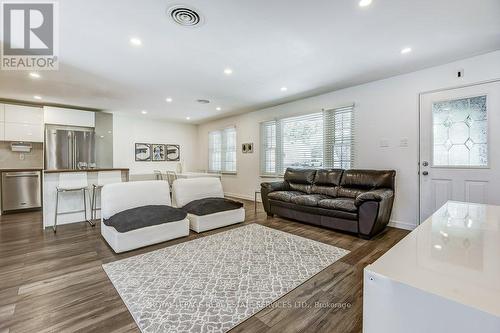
[[222, 148]]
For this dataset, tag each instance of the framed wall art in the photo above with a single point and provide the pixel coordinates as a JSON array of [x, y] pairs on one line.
[[142, 152], [159, 152], [173, 153]]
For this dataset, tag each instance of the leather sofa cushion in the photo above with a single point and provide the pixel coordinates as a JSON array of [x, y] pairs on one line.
[[350, 192], [284, 196], [343, 204], [316, 210], [144, 216], [331, 191], [368, 179], [308, 199], [300, 176], [211, 206], [306, 188], [328, 177]]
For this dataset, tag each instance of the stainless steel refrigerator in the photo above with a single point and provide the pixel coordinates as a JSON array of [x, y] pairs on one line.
[[69, 147]]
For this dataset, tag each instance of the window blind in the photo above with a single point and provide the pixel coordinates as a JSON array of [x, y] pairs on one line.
[[302, 142], [215, 151], [229, 149], [316, 140], [268, 147], [222, 150], [339, 137]]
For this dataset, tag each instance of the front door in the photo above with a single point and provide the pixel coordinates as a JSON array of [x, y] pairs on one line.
[[459, 146]]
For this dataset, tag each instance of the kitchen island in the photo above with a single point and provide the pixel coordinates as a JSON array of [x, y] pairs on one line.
[[69, 202]]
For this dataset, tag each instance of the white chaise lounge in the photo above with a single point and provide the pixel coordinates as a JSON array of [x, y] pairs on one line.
[[142, 212], [203, 200]]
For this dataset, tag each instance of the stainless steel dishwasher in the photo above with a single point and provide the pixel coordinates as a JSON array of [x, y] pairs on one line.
[[20, 190]]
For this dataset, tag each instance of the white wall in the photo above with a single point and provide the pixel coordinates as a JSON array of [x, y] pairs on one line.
[[129, 130], [385, 109]]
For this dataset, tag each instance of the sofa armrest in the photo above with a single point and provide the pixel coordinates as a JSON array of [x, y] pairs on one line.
[[374, 210], [268, 187], [374, 195], [274, 186]]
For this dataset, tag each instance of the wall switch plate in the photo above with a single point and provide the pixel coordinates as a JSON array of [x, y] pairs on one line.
[[384, 143], [403, 142]]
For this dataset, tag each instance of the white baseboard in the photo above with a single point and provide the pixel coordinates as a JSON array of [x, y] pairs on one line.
[[401, 225]]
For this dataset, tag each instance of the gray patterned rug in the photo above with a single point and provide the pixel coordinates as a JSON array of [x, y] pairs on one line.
[[213, 283]]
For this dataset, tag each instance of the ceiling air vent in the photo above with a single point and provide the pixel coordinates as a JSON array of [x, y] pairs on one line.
[[203, 101], [184, 16]]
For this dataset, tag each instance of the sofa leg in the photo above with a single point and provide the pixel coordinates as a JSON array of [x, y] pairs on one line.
[[364, 236], [270, 215]]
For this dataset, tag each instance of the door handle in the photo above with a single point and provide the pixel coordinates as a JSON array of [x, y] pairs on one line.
[[425, 173], [9, 175]]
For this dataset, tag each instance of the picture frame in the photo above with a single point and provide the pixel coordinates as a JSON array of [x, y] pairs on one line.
[[173, 153], [247, 148], [142, 152], [158, 152]]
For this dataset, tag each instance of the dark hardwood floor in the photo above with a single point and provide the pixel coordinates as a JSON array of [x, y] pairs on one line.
[[54, 282]]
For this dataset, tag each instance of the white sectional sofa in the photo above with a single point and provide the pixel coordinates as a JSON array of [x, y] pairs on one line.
[[203, 200], [130, 196]]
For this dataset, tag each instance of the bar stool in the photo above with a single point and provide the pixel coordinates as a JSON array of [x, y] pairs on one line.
[[103, 178], [72, 182], [171, 176], [158, 175]]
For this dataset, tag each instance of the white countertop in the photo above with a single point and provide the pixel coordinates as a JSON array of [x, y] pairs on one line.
[[454, 254]]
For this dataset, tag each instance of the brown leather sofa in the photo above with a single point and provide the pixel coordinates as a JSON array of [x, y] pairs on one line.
[[356, 201]]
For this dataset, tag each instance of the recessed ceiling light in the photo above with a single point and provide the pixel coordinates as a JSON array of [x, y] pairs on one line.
[[218, 108], [365, 3], [406, 50], [144, 111], [283, 88], [135, 41], [228, 71], [35, 75], [438, 247], [169, 99], [37, 97], [188, 118]]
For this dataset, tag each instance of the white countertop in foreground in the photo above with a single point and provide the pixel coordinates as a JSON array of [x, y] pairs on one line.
[[454, 254]]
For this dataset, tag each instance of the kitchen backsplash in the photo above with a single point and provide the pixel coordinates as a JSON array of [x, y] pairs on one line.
[[12, 160]]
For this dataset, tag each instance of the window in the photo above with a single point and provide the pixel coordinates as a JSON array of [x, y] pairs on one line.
[[302, 141], [339, 137], [460, 135], [317, 140], [268, 147], [222, 150]]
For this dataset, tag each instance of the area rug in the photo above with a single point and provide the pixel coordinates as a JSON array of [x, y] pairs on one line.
[[213, 283]]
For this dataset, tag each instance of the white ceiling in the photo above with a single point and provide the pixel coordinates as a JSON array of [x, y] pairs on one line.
[[310, 47]]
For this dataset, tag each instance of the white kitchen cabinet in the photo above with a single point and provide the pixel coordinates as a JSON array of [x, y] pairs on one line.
[[68, 117], [21, 123], [23, 114], [23, 132]]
